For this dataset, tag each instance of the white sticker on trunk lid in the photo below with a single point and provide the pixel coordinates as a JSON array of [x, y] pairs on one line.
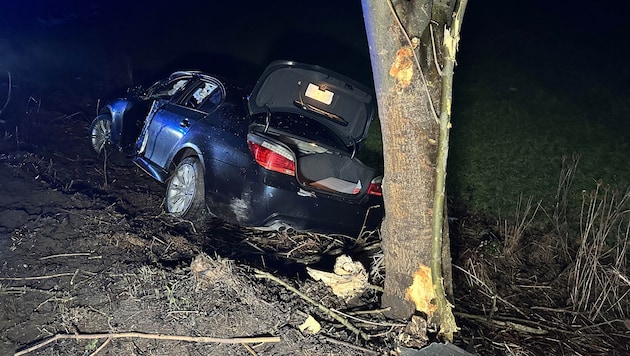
[[323, 96]]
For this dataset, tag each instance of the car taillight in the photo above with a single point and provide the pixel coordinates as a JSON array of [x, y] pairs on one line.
[[375, 187], [273, 157]]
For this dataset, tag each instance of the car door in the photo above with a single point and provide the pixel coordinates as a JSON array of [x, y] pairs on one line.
[[173, 120], [163, 93]]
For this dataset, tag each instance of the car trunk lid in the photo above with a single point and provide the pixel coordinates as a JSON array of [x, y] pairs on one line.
[[343, 105]]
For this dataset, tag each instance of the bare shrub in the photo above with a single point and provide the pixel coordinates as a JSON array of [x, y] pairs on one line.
[[559, 218], [567, 277], [478, 273], [513, 232], [600, 287]]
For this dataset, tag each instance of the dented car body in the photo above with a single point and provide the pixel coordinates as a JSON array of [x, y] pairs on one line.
[[280, 155]]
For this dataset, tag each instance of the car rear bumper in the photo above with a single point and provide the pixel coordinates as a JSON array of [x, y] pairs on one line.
[[256, 197], [291, 207], [320, 214]]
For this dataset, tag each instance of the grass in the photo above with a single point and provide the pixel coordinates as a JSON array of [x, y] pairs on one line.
[[372, 151], [522, 102], [601, 286]]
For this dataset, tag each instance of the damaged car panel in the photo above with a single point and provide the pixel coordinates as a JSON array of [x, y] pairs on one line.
[[280, 156]]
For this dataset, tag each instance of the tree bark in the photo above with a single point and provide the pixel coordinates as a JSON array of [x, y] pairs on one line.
[[409, 130], [405, 51]]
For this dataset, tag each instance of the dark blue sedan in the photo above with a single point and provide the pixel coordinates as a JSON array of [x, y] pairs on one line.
[[280, 156]]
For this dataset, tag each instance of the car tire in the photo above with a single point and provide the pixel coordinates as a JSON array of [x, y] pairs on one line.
[[185, 192], [101, 133]]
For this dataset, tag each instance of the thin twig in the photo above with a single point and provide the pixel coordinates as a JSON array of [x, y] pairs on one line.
[[607, 322], [555, 310], [359, 239], [366, 321], [509, 324], [249, 348], [200, 339], [494, 295], [24, 289], [435, 59], [288, 254], [100, 348], [375, 311], [65, 255], [254, 246], [36, 277], [352, 346]]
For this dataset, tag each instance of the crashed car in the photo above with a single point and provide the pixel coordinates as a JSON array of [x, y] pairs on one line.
[[281, 156]]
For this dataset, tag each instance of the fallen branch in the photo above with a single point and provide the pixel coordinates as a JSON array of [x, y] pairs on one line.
[[249, 348], [66, 255], [367, 321], [363, 350], [23, 290], [200, 339], [509, 324], [339, 318], [36, 277], [57, 275], [105, 343]]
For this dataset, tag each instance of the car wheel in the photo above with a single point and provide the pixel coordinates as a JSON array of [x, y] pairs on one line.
[[101, 133], [185, 189]]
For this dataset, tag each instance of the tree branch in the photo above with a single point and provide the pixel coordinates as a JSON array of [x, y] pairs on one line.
[[201, 339], [451, 40]]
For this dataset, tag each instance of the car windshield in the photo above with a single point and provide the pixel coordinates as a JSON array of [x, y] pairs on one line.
[[303, 126]]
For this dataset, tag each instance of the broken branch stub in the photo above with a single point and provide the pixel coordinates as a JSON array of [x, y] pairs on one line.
[[348, 280]]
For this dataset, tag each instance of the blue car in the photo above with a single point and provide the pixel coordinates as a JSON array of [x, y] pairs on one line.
[[280, 155]]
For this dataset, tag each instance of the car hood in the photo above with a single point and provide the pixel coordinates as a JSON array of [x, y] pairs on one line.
[[340, 103]]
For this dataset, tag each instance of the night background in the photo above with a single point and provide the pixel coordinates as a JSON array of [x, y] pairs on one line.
[[536, 80]]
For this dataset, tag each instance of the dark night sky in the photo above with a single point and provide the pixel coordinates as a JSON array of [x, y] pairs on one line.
[[102, 47], [239, 37]]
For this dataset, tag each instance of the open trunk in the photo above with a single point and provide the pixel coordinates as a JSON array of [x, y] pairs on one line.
[[318, 167], [334, 172]]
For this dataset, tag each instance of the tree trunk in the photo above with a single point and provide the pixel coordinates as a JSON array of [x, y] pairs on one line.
[[404, 50]]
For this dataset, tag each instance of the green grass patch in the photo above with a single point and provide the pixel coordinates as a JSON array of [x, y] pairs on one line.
[[514, 119], [372, 151]]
